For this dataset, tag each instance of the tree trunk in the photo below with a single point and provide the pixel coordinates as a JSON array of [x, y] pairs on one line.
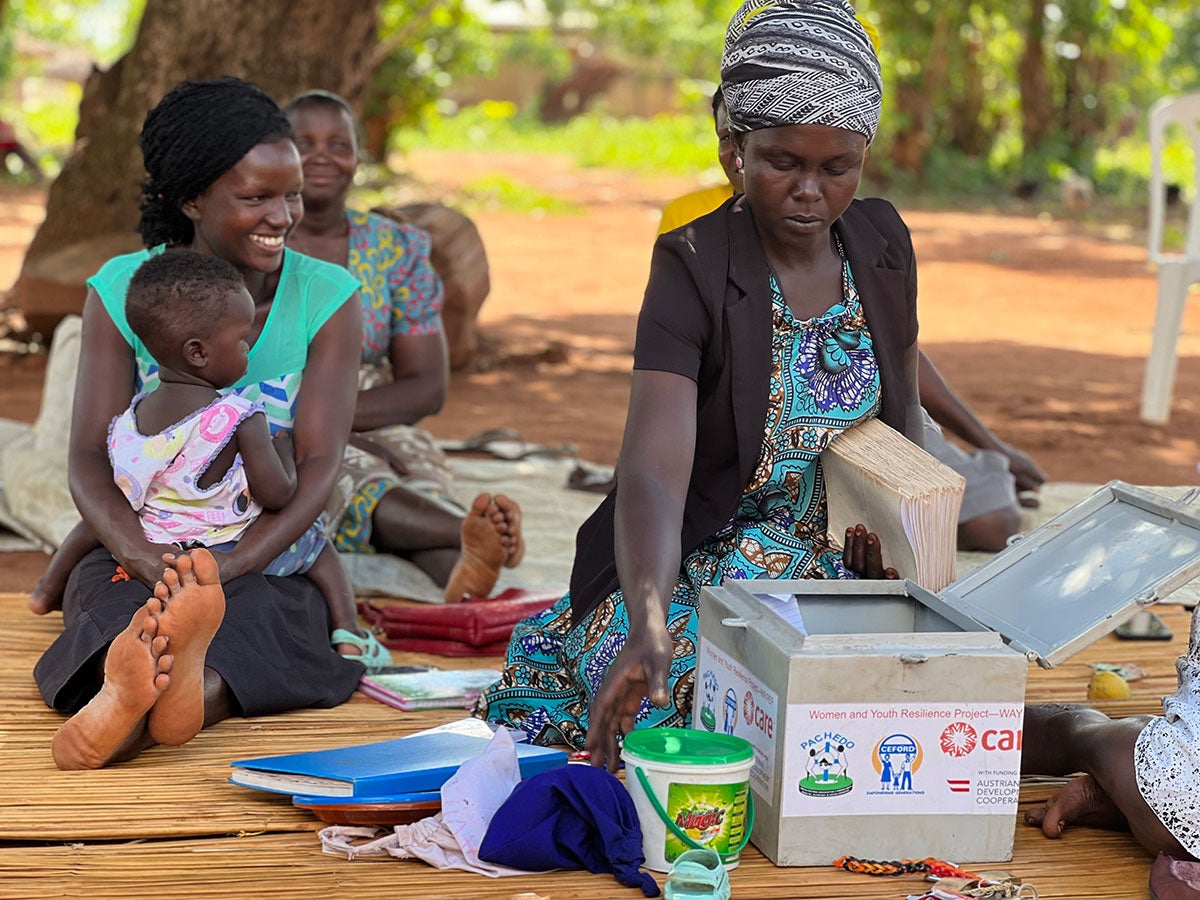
[[284, 46], [1037, 104], [966, 124], [916, 100]]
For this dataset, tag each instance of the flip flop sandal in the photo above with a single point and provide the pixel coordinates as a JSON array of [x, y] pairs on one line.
[[506, 444], [371, 653], [697, 875], [479, 443]]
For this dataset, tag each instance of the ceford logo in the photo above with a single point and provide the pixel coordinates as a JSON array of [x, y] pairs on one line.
[[757, 717]]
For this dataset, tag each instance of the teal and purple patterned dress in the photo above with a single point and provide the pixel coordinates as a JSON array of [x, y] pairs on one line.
[[401, 294], [824, 379]]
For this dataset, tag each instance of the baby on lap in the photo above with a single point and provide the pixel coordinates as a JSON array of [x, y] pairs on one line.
[[198, 465]]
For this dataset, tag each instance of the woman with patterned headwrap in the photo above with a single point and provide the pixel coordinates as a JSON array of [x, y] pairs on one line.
[[768, 327]]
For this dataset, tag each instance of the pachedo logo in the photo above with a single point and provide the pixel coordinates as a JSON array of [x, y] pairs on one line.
[[958, 739], [896, 758], [826, 769], [711, 686]]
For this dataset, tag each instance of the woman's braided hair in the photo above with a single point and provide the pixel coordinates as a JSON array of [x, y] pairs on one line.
[[197, 133]]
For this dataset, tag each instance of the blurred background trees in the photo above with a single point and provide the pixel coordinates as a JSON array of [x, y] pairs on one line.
[[983, 98]]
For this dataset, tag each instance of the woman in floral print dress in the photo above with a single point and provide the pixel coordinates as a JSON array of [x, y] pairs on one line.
[[768, 327]]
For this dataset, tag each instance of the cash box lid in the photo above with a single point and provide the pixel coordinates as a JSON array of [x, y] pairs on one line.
[[1083, 573]]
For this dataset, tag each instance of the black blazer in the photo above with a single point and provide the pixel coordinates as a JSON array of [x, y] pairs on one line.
[[707, 315]]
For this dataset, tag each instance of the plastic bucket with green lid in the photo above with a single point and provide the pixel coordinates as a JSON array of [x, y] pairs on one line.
[[691, 790]]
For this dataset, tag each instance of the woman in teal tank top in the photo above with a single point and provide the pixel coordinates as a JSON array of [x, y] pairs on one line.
[[224, 180]]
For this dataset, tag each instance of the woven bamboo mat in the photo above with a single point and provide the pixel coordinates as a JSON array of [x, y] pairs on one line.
[[169, 824]]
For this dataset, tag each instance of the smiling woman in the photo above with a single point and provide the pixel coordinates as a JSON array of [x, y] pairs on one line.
[[395, 493], [224, 181]]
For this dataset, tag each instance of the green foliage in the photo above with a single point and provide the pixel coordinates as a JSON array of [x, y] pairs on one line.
[[677, 144], [423, 46], [106, 28], [686, 34]]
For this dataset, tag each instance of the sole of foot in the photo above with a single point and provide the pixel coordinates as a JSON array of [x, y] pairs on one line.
[[193, 605], [514, 543], [137, 672], [483, 552]]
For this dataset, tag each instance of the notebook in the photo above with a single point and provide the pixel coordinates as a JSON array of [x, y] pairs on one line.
[[877, 477], [433, 689], [419, 762]]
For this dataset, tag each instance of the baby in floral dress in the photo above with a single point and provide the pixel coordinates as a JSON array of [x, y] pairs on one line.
[[196, 461]]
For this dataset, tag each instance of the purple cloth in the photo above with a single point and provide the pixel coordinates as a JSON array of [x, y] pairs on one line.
[[570, 817]]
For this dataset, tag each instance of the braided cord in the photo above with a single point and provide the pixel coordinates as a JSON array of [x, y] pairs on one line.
[[888, 868]]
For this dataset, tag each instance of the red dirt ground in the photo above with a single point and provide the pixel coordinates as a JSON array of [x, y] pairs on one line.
[[1042, 324]]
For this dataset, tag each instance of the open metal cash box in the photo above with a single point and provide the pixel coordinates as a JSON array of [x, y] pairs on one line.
[[886, 719]]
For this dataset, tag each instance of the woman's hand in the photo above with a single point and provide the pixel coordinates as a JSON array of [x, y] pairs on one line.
[[640, 670], [380, 452], [1026, 474], [146, 563], [862, 554]]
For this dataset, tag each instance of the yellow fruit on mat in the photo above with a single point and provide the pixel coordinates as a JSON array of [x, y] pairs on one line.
[[1108, 686]]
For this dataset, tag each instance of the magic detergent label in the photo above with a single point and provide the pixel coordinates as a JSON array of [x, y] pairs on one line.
[[712, 815], [902, 758]]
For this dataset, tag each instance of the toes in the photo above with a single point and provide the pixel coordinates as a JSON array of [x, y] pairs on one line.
[[479, 506], [156, 605], [204, 565], [161, 591], [149, 628], [166, 662], [183, 565], [162, 681], [159, 645], [170, 578]]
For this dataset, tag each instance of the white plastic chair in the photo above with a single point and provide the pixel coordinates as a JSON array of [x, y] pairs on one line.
[[1176, 272]]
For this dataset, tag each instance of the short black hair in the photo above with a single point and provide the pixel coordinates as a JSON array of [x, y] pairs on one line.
[[328, 99], [318, 97], [717, 99], [197, 133], [176, 295]]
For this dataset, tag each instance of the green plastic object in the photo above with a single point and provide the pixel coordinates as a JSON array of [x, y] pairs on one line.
[[684, 746], [728, 857]]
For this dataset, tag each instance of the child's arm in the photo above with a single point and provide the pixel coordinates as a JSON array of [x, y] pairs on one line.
[[47, 594], [270, 464]]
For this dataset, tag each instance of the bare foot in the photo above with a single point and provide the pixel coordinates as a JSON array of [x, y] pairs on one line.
[[136, 673], [483, 552], [1080, 802], [46, 596], [193, 606], [511, 529]]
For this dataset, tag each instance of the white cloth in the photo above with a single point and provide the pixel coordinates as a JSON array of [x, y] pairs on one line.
[[450, 839], [1166, 758]]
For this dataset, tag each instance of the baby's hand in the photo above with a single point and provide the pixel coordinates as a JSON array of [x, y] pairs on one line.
[[283, 445]]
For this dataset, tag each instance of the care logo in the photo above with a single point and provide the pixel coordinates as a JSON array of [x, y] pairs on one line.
[[896, 759], [757, 717], [958, 739]]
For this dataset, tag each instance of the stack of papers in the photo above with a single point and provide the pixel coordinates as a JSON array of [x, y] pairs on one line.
[[876, 477]]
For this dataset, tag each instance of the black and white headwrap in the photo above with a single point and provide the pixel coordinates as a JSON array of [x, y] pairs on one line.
[[800, 62]]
